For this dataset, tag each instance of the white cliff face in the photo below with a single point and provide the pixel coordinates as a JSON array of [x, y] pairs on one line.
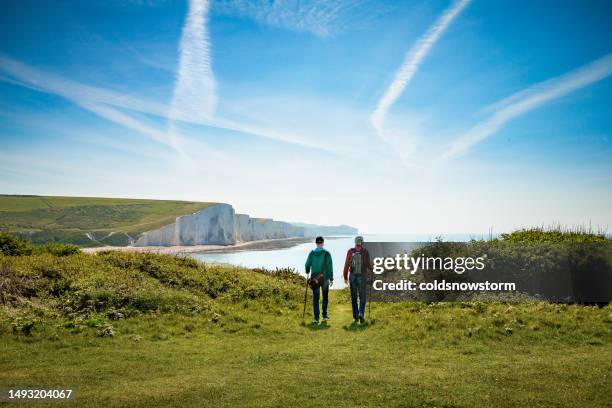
[[213, 225], [251, 229], [245, 230], [164, 236], [220, 225]]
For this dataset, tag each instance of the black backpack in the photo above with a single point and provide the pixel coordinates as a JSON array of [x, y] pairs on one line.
[[356, 262]]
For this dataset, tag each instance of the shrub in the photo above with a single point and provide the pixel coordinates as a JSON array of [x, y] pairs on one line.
[[14, 246], [555, 234], [288, 274], [120, 284], [106, 330], [12, 285], [58, 249], [23, 325]]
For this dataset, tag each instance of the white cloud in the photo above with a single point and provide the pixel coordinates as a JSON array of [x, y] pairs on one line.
[[101, 102], [525, 101], [27, 76], [195, 89], [412, 62], [116, 116], [319, 17]]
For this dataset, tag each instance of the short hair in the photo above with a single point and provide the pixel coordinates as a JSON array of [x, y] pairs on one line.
[[319, 240]]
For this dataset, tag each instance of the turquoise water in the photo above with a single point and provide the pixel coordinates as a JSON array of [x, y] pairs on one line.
[[295, 257]]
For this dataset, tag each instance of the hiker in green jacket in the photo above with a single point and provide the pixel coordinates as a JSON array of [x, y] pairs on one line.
[[319, 262]]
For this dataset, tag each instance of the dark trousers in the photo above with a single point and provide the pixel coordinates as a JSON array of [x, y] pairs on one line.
[[358, 290], [316, 294]]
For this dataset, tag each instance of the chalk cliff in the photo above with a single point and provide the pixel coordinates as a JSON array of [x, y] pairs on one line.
[[312, 230], [212, 225], [220, 225]]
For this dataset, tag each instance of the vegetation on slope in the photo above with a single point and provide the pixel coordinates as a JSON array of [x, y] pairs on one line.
[[106, 221], [557, 264], [77, 286], [16, 246], [145, 330], [556, 234]]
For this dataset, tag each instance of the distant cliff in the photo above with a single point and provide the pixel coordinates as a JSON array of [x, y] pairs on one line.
[[312, 230], [212, 225], [220, 225], [108, 221]]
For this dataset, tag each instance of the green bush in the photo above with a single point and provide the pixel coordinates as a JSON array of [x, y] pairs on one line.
[[555, 234], [127, 284], [58, 249], [17, 246], [23, 325], [555, 264], [288, 274], [14, 246]]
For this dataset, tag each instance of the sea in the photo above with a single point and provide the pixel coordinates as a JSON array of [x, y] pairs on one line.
[[295, 257]]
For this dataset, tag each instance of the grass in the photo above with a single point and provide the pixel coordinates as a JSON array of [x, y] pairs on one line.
[[144, 330], [67, 219], [557, 234]]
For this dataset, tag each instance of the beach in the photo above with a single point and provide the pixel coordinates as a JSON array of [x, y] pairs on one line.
[[260, 245]]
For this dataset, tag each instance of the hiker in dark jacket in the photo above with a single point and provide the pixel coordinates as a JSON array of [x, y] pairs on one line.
[[319, 262], [358, 262]]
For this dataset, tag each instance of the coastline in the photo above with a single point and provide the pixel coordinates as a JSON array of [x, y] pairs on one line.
[[259, 245]]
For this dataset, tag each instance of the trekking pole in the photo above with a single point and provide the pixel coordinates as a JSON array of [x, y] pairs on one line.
[[369, 304], [370, 301], [305, 299]]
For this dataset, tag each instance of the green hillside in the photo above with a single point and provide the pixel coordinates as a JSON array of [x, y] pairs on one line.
[[110, 221], [146, 330]]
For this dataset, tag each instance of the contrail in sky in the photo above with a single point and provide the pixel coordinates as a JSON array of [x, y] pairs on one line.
[[412, 62], [195, 90], [103, 101], [526, 100]]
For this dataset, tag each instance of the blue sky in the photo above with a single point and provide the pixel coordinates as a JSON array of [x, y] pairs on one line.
[[422, 116]]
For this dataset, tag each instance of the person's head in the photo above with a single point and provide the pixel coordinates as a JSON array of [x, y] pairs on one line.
[[358, 240], [319, 241]]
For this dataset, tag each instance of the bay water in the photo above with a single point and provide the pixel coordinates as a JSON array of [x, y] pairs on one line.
[[295, 257]]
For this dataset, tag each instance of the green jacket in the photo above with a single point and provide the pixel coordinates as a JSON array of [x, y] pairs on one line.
[[320, 261]]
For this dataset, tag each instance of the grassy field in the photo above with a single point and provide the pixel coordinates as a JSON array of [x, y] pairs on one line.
[[143, 330], [110, 221]]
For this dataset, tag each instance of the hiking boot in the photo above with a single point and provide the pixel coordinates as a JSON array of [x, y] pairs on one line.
[[361, 319]]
